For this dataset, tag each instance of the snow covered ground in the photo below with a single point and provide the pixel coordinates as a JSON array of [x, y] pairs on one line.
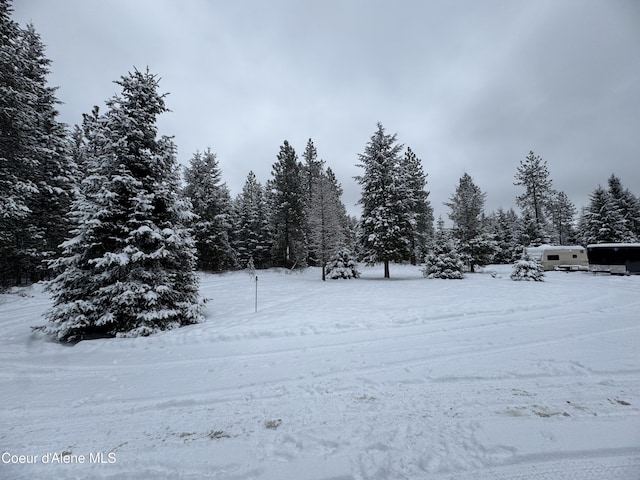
[[407, 378]]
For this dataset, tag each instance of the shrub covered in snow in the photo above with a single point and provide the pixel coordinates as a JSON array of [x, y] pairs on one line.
[[444, 262], [527, 269], [251, 267], [342, 265]]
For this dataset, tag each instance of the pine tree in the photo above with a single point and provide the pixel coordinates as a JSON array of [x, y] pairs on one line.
[[444, 261], [128, 269], [530, 232], [47, 145], [467, 209], [326, 219], [629, 207], [527, 269], [252, 232], [385, 231], [603, 221], [36, 174], [15, 184], [312, 168], [347, 223], [17, 188], [480, 250], [211, 202], [342, 265], [419, 205], [533, 175], [581, 229], [504, 230], [467, 214], [287, 204], [563, 213]]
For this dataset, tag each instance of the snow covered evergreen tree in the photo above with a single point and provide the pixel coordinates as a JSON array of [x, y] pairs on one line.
[[533, 175], [326, 219], [530, 232], [311, 169], [418, 203], [286, 197], [211, 202], [347, 222], [467, 209], [49, 145], [581, 228], [562, 212], [342, 265], [467, 213], [527, 269], [503, 226], [16, 185], [252, 238], [388, 219], [37, 175], [480, 250], [629, 207], [444, 261], [603, 220], [128, 270]]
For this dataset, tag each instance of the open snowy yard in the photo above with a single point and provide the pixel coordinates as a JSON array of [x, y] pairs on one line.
[[406, 378]]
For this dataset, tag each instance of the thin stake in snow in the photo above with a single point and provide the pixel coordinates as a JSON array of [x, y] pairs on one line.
[[256, 310]]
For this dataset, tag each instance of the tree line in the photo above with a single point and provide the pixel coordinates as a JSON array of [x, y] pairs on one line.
[[106, 212]]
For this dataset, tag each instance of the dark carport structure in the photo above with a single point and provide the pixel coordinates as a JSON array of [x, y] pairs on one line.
[[614, 258]]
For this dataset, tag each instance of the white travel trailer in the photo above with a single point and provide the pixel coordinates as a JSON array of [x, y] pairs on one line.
[[560, 257]]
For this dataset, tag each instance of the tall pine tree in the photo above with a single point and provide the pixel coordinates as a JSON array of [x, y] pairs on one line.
[[15, 185], [252, 238], [469, 228], [327, 219], [419, 205], [533, 175], [503, 225], [562, 212], [312, 168], [211, 202], [128, 270], [388, 219], [287, 204], [603, 220], [48, 146], [36, 173], [629, 207]]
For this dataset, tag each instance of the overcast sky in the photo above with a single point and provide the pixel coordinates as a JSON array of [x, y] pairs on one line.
[[470, 86]]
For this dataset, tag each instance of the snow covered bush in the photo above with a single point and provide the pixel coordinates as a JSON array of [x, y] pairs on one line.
[[251, 268], [444, 262], [342, 265], [527, 269]]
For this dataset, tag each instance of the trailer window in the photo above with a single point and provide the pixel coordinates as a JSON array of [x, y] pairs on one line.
[[574, 256], [553, 257]]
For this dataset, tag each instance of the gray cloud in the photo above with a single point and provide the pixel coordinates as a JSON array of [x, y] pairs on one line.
[[470, 86]]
